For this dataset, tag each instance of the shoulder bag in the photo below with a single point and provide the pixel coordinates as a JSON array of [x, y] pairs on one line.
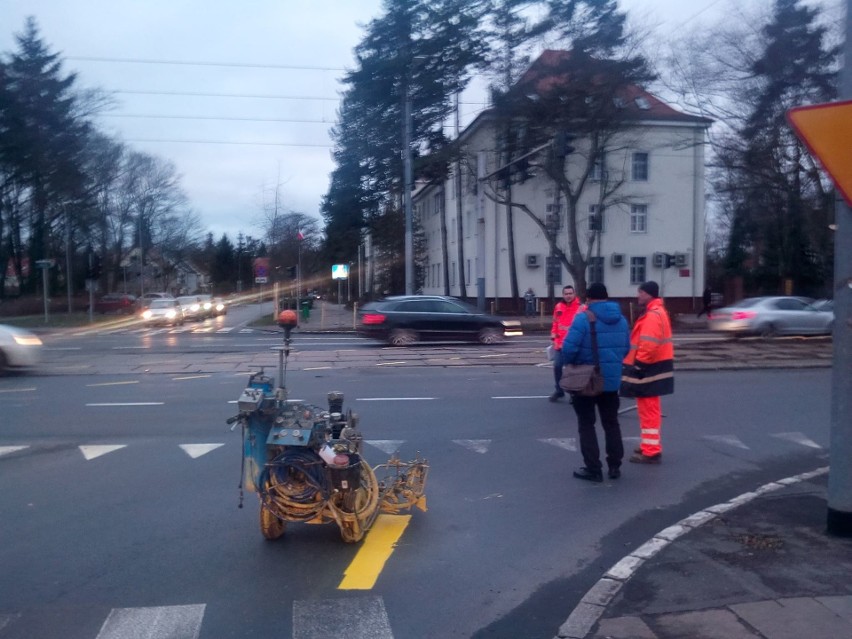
[[585, 379]]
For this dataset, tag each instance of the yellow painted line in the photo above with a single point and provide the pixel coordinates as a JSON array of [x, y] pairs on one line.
[[113, 383], [177, 379], [378, 545]]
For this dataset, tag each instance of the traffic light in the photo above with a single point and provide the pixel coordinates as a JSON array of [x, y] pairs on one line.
[[96, 266], [291, 272]]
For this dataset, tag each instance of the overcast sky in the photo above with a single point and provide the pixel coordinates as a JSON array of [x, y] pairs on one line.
[[300, 50]]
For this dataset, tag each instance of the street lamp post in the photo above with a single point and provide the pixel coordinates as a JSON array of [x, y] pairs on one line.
[[406, 161]]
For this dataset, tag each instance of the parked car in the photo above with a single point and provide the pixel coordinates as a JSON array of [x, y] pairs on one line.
[[403, 320], [116, 303], [769, 316], [163, 311], [18, 348], [192, 306]]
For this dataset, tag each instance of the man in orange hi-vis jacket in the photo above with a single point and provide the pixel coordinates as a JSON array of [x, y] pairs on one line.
[[649, 370]]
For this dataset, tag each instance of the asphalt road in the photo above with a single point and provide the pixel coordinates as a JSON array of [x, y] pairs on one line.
[[98, 541]]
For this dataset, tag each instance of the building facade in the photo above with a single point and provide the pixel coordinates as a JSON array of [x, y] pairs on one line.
[[651, 225]]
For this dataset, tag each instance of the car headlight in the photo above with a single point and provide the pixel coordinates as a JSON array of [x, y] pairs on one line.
[[27, 340], [146, 314], [171, 314]]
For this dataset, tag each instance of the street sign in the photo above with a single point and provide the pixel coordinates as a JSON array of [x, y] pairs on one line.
[[340, 272], [261, 280], [826, 129]]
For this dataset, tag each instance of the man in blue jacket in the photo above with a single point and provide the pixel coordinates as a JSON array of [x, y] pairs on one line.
[[613, 339]]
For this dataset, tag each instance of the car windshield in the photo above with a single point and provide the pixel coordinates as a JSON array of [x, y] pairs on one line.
[[162, 303], [748, 302]]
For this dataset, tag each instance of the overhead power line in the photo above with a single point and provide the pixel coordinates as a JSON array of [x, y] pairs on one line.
[[200, 63], [226, 95], [213, 117], [295, 144]]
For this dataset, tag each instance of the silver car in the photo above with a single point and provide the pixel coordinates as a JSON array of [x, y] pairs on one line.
[[18, 348], [163, 311], [769, 316]]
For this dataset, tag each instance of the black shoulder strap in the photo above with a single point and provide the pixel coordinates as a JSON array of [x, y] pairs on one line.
[[592, 320]]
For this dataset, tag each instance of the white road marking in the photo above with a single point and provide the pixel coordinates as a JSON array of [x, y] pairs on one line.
[[135, 381], [126, 404], [520, 397], [6, 450], [731, 440], [318, 368], [226, 329], [5, 619], [63, 348], [392, 399], [197, 450], [91, 452], [387, 446], [346, 617], [476, 445], [568, 443], [17, 390], [390, 363], [495, 355], [797, 438], [163, 622], [178, 379], [129, 348]]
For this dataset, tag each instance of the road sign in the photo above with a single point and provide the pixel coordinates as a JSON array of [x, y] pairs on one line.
[[826, 129], [261, 280], [340, 272]]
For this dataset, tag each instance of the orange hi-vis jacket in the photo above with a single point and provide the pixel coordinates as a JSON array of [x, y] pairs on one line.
[[650, 361], [563, 315]]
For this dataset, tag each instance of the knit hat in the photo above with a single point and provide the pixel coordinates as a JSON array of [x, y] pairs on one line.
[[597, 291], [651, 288]]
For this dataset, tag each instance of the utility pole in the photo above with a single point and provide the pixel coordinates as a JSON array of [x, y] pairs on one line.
[[406, 196], [840, 454]]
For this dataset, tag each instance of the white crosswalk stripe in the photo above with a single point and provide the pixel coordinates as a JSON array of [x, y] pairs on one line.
[[347, 617], [476, 445], [798, 438], [162, 622], [6, 450], [730, 440], [568, 443]]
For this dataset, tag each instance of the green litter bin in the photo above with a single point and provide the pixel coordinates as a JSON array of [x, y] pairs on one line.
[[306, 310]]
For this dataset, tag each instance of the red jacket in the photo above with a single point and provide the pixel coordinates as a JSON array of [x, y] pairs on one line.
[[563, 315]]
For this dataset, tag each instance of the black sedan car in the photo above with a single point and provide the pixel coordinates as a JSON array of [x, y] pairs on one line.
[[404, 320]]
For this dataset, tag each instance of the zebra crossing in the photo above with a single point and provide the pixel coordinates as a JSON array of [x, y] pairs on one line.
[[195, 450], [363, 616]]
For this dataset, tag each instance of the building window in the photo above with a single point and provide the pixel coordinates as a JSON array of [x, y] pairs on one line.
[[467, 274], [638, 218], [595, 219], [595, 270], [637, 270], [438, 203], [640, 167]]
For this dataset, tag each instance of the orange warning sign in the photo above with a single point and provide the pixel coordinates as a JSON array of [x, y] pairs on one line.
[[826, 129]]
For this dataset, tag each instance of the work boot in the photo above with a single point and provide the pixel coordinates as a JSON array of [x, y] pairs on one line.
[[639, 458], [614, 473], [588, 475], [556, 395]]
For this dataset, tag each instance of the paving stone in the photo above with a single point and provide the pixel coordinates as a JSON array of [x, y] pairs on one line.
[[578, 625], [623, 628], [707, 624], [841, 606], [602, 592], [793, 618], [650, 548]]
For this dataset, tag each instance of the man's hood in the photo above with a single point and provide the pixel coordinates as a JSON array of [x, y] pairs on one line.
[[606, 311]]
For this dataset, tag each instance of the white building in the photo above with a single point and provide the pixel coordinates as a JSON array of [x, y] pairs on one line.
[[658, 210]]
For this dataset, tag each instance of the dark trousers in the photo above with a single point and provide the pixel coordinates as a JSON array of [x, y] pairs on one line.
[[607, 405]]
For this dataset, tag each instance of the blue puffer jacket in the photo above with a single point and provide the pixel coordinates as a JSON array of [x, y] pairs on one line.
[[613, 341]]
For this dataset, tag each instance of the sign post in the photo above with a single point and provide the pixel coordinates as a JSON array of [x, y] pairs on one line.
[[826, 129], [44, 265]]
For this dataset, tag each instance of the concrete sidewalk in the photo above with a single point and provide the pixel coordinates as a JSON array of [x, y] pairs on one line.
[[758, 566]]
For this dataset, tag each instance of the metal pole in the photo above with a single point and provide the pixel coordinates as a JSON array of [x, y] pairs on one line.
[[44, 288], [68, 257], [480, 230], [406, 161], [840, 452]]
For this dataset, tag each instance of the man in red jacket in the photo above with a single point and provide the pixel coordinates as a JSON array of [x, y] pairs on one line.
[[563, 315], [649, 370]]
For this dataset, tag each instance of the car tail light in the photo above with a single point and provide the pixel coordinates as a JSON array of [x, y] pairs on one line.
[[373, 318], [743, 315]]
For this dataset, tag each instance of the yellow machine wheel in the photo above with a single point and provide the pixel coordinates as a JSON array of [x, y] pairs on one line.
[[271, 526]]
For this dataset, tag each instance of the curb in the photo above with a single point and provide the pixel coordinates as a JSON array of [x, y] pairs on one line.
[[593, 604]]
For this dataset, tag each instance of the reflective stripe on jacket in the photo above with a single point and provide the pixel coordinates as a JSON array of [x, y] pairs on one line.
[[649, 370], [563, 315]]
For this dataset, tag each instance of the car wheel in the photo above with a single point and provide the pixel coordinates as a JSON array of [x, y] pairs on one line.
[[767, 331], [4, 364], [402, 337], [490, 336]]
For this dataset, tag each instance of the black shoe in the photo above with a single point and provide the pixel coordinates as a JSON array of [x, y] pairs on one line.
[[588, 475], [639, 458], [556, 395], [614, 473]]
